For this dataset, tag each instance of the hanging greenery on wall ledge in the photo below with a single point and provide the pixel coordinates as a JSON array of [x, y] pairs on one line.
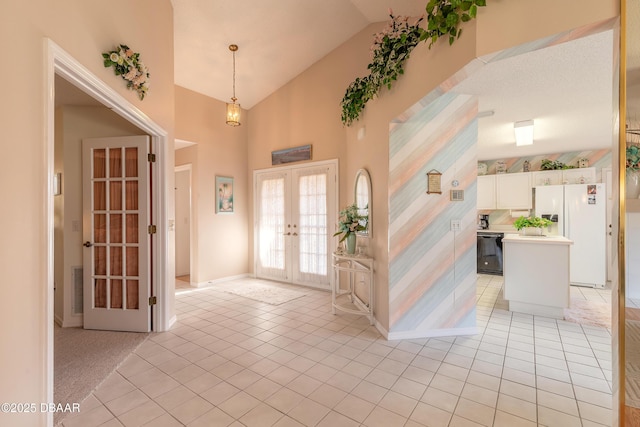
[[393, 45]]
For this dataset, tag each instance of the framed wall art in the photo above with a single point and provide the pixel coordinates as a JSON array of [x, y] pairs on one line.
[[224, 194], [288, 155]]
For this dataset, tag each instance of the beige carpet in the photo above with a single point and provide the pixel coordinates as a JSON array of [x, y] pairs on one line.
[[262, 292], [585, 312], [84, 358]]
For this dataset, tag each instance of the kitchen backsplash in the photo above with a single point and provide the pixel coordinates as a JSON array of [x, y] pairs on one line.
[[597, 158]]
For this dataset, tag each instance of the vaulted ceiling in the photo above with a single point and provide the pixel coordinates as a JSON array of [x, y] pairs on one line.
[[567, 89]]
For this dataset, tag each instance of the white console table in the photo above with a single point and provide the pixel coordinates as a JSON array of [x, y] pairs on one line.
[[346, 299]]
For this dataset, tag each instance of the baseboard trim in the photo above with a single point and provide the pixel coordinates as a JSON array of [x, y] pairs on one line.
[[409, 335], [172, 321], [74, 322]]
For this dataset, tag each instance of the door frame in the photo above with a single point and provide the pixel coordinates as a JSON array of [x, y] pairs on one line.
[[58, 62], [305, 165], [189, 168]]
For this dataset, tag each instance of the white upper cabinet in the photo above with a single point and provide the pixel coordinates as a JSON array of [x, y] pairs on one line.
[[486, 192], [552, 177], [579, 176], [513, 191]]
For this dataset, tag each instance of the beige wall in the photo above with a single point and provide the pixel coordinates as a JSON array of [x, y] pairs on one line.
[[307, 111], [507, 23], [85, 30], [76, 123], [220, 240]]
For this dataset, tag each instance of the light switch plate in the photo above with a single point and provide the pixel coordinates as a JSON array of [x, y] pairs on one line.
[[456, 195]]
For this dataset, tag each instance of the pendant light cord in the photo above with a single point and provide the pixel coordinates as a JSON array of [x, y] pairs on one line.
[[233, 48]]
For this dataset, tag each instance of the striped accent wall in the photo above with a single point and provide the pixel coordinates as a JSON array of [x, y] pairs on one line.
[[432, 270]]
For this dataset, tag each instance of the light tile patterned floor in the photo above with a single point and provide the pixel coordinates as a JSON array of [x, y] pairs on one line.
[[231, 361]]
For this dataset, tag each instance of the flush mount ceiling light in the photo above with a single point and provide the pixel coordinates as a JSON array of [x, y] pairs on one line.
[[524, 132], [233, 109]]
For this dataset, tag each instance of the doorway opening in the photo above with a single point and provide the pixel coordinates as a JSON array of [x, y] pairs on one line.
[[183, 226], [60, 63]]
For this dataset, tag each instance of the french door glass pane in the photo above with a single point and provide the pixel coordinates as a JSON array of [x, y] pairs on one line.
[[132, 261], [132, 228], [132, 195], [313, 224], [99, 195], [115, 163], [115, 261], [99, 163], [272, 228], [115, 228], [116, 293], [131, 160], [115, 195], [100, 260], [132, 295], [100, 228], [100, 293]]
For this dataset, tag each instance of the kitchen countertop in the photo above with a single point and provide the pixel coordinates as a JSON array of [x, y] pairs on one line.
[[495, 231], [549, 240]]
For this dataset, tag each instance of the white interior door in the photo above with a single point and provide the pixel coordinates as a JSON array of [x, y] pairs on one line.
[[183, 221], [295, 217], [116, 215]]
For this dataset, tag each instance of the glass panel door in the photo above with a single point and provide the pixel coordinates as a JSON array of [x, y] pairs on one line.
[[272, 206], [116, 247], [311, 226], [295, 210]]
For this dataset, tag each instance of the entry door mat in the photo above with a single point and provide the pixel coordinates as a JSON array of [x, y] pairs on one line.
[[260, 291], [84, 358], [587, 312]]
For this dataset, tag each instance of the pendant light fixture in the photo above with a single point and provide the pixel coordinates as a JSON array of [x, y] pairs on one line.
[[233, 109]]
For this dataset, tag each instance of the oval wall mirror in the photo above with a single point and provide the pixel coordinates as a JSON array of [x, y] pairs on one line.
[[362, 199]]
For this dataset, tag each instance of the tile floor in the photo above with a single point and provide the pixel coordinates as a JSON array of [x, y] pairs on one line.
[[231, 361]]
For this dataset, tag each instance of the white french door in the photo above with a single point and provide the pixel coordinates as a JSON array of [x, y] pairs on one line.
[[116, 214], [295, 211]]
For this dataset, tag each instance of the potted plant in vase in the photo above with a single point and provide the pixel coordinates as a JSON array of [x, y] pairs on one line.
[[531, 226], [349, 223]]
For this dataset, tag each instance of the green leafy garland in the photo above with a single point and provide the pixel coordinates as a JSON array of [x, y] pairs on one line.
[[393, 45]]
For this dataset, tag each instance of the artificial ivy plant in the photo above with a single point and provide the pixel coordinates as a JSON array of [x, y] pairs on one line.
[[393, 45]]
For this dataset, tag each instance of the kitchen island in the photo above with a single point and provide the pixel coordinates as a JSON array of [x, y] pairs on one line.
[[536, 274]]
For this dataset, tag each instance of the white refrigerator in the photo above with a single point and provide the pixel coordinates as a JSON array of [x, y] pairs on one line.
[[579, 213]]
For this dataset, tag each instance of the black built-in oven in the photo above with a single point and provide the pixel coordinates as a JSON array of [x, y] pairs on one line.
[[490, 253]]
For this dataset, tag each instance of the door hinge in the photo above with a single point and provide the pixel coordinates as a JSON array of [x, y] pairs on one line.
[[152, 301], [151, 157], [152, 229]]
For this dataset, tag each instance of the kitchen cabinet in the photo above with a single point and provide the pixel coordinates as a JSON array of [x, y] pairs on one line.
[[564, 176], [536, 274], [553, 177], [486, 192], [513, 191], [579, 176]]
